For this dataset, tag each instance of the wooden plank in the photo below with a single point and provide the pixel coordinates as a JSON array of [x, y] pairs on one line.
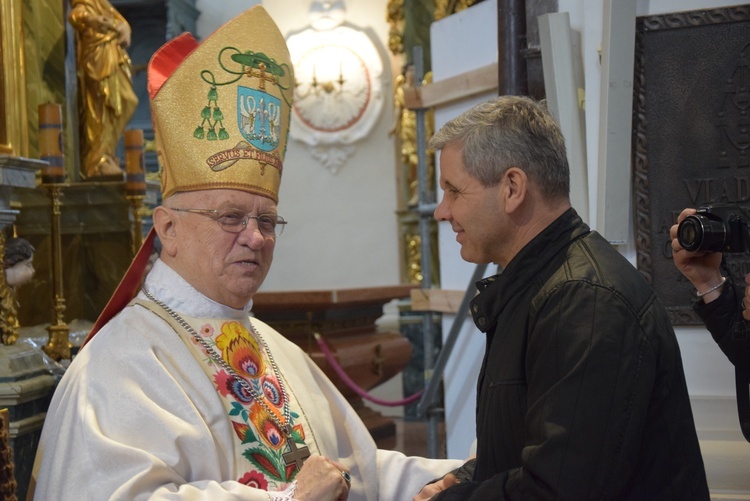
[[616, 121], [444, 301], [461, 86], [563, 80], [313, 299], [413, 98]]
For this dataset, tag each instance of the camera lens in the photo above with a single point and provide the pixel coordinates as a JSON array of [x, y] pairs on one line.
[[699, 233], [688, 234]]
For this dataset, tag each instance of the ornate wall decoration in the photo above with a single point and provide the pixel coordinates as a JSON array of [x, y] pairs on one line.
[[690, 139], [338, 88]]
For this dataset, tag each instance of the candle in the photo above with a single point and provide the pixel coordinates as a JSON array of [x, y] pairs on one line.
[[50, 142], [135, 176]]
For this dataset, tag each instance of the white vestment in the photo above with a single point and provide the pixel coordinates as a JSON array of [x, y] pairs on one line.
[[136, 417]]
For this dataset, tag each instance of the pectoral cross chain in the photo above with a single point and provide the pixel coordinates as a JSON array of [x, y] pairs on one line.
[[296, 454]]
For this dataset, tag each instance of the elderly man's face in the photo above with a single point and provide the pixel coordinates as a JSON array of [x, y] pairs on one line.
[[227, 267]]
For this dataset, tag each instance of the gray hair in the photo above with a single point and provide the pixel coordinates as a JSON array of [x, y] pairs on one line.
[[510, 131]]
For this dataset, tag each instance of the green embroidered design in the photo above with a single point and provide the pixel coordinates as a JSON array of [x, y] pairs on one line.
[[243, 64]]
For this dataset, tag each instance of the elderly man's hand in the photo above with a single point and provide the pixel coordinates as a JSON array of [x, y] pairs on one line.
[[321, 479]]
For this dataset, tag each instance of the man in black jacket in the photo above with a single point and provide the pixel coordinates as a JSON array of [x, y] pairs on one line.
[[581, 393]]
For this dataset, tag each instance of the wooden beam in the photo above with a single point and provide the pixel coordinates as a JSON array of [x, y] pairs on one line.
[[445, 301], [563, 81], [614, 205], [452, 89]]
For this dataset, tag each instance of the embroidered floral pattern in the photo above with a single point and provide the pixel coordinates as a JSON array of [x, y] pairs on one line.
[[240, 350], [263, 443], [272, 390], [254, 479], [230, 387], [269, 430]]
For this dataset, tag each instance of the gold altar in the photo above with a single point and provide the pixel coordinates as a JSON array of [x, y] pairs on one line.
[[346, 318], [96, 249]]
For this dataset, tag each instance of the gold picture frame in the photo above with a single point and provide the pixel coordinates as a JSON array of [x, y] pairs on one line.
[[14, 134]]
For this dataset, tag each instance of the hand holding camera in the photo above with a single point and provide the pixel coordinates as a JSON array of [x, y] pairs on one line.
[[714, 228], [696, 250], [698, 240]]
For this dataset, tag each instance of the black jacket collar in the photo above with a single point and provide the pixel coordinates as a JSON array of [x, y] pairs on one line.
[[524, 268]]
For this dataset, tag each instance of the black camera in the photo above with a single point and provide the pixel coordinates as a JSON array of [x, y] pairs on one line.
[[715, 228]]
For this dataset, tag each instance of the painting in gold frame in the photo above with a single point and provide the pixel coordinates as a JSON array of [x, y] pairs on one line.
[[13, 130]]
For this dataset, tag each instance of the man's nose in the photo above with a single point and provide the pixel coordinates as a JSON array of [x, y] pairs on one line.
[[441, 211], [252, 232]]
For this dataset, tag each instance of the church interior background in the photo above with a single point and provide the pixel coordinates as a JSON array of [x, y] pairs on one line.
[[359, 250]]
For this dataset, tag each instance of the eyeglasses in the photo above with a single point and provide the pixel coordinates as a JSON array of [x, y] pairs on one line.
[[235, 220]]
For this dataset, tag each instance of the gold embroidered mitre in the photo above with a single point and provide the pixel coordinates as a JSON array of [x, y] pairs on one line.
[[221, 115]]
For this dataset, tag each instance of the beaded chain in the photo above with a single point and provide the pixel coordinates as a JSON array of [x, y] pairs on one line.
[[287, 429]]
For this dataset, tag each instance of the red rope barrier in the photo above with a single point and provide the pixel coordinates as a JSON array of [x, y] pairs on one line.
[[351, 384]]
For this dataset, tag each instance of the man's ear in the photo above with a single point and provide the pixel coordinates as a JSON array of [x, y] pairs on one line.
[[165, 227], [516, 188]]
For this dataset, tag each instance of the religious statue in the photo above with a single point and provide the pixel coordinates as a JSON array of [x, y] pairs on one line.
[[106, 97], [17, 270]]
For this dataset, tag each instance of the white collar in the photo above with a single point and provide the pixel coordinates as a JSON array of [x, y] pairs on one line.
[[169, 287]]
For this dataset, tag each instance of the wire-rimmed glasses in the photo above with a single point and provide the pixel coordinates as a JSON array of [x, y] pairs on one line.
[[235, 220]]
